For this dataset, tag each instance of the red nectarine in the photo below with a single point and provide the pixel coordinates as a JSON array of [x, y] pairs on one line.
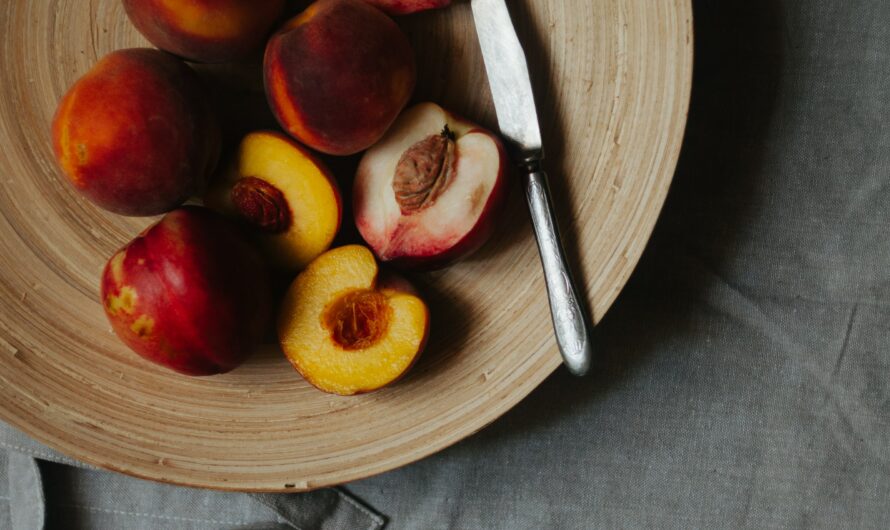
[[189, 293]]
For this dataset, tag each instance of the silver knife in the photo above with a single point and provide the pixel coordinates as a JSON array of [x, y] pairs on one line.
[[514, 103]]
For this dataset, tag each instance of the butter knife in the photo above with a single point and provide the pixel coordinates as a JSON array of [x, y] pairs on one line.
[[514, 103]]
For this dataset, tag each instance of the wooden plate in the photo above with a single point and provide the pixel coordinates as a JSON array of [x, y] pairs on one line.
[[613, 80]]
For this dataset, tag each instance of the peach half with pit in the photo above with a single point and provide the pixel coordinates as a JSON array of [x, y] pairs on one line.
[[338, 74], [285, 194], [346, 329], [430, 192], [209, 31]]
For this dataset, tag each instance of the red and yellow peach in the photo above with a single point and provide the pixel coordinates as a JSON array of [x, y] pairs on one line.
[[210, 31], [338, 75], [189, 293], [136, 135]]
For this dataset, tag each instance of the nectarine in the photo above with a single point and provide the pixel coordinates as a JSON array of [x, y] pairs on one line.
[[338, 75], [431, 191], [346, 331], [136, 135], [189, 293]]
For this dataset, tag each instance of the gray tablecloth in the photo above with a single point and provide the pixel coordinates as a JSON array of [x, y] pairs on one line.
[[745, 372]]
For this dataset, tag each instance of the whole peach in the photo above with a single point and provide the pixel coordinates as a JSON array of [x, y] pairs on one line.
[[189, 293], [136, 134], [338, 75], [210, 31]]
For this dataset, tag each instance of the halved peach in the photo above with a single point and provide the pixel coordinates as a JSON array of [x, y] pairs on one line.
[[284, 192], [346, 331], [431, 191]]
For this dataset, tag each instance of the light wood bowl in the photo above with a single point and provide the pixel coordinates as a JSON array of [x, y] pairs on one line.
[[613, 81]]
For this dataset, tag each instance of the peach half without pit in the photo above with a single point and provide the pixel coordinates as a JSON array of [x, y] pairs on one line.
[[136, 135], [348, 331], [338, 75], [285, 194], [430, 192], [209, 31]]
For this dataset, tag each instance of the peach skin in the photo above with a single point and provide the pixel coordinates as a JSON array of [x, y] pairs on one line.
[[209, 31], [338, 75], [406, 7], [189, 293], [136, 135]]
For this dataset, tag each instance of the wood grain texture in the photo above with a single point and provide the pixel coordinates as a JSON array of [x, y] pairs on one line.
[[613, 80]]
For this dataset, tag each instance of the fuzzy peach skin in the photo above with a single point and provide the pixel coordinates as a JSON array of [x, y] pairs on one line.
[[210, 31], [286, 194], [338, 75], [406, 7], [443, 221], [189, 293], [345, 330], [136, 135]]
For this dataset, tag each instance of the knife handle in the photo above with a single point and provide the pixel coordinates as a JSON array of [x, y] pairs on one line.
[[572, 327]]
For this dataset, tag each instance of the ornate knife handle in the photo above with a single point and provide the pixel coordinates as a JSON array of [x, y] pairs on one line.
[[570, 321]]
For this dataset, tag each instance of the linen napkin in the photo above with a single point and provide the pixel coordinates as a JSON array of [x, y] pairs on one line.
[[41, 488]]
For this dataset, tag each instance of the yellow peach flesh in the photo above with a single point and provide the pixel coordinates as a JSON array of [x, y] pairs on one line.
[[313, 347], [311, 195]]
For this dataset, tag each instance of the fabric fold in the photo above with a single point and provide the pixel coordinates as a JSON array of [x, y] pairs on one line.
[[50, 490]]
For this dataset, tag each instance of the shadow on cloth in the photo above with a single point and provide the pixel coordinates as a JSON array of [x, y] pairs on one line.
[[738, 63]]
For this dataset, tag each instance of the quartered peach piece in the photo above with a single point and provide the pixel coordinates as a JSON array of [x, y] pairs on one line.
[[345, 330]]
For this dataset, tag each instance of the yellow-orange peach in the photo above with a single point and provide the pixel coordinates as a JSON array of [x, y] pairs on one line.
[[338, 75], [347, 331], [206, 30], [286, 194], [135, 134]]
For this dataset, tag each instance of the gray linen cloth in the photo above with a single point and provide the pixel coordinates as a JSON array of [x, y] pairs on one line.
[[744, 376], [41, 488]]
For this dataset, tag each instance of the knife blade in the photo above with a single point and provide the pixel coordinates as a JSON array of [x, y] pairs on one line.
[[514, 101], [508, 76]]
